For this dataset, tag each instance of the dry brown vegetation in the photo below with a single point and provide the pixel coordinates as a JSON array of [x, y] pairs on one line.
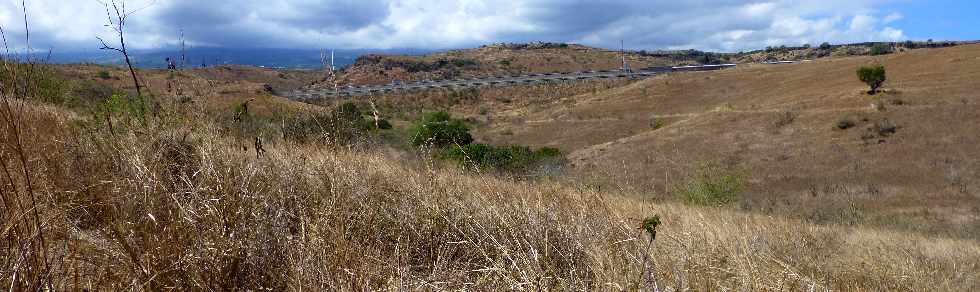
[[183, 207], [197, 188], [777, 123], [177, 203]]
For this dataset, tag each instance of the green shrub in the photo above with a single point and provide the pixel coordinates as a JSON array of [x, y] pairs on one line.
[[384, 124], [440, 129], [462, 62], [104, 75], [712, 186], [514, 158], [825, 46], [88, 92], [44, 83], [121, 107], [881, 49], [657, 123], [873, 75]]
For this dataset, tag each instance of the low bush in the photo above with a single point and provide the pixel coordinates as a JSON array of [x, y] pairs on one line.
[[514, 158], [886, 128], [383, 124], [881, 49], [121, 106], [712, 186], [439, 129], [345, 125], [45, 84], [657, 123], [88, 92], [873, 75], [463, 62]]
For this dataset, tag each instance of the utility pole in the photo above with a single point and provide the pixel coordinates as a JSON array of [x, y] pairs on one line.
[[333, 73]]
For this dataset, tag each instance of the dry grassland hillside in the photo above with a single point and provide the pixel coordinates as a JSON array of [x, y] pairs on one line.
[[209, 189], [181, 206], [779, 126]]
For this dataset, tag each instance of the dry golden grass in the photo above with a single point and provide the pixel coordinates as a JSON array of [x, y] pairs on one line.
[[180, 206], [177, 203], [923, 178]]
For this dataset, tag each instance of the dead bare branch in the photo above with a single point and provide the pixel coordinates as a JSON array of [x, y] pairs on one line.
[[117, 23]]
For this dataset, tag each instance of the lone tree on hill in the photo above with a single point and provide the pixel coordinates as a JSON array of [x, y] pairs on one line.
[[873, 75]]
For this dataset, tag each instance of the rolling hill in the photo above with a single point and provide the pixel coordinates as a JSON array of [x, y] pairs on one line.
[[509, 58], [99, 195], [910, 160]]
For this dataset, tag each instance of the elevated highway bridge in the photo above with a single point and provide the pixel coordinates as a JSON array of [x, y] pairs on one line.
[[509, 80]]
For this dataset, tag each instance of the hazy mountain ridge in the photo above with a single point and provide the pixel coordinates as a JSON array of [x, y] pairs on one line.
[[198, 57]]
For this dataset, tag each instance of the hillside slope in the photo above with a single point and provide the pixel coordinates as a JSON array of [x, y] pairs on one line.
[[778, 125], [180, 205], [537, 57], [499, 59]]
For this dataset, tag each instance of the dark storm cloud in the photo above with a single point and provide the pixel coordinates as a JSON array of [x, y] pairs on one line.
[[253, 23], [701, 24], [645, 23]]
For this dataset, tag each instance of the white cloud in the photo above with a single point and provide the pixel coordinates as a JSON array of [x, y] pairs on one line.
[[894, 16], [649, 24]]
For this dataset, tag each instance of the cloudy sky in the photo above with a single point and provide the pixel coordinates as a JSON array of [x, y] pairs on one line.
[[718, 25]]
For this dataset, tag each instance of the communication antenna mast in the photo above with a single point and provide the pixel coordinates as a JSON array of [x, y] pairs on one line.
[[183, 50], [626, 66], [323, 59], [332, 67]]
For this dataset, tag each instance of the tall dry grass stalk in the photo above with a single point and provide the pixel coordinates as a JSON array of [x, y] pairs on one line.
[[172, 208], [22, 230], [176, 204]]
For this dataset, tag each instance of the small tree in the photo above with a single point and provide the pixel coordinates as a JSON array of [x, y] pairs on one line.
[[118, 24], [873, 75]]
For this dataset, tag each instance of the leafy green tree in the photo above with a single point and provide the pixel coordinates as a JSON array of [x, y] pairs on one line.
[[873, 75]]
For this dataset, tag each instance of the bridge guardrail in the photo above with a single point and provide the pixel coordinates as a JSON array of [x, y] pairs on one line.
[[493, 80]]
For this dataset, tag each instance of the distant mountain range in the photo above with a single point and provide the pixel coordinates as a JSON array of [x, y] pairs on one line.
[[197, 57]]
